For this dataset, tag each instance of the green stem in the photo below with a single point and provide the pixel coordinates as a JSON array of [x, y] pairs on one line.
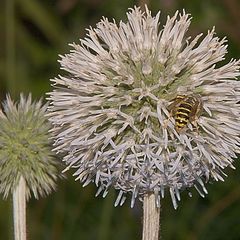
[[19, 210], [10, 47], [151, 217], [106, 217]]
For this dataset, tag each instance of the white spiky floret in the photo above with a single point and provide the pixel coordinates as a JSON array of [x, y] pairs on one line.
[[111, 112]]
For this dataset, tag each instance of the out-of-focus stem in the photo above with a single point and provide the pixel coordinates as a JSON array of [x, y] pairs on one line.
[[106, 218], [19, 210], [151, 218], [10, 47]]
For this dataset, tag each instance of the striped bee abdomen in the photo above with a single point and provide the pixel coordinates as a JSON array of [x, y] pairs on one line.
[[182, 114], [184, 109]]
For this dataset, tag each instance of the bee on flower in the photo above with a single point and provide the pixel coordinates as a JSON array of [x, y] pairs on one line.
[[144, 109], [185, 109]]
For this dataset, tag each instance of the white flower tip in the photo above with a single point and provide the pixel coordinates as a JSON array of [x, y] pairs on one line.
[[66, 169]]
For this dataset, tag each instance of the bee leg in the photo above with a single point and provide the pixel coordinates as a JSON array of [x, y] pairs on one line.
[[165, 122], [194, 121], [172, 113]]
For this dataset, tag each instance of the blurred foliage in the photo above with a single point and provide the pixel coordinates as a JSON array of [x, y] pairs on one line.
[[33, 33]]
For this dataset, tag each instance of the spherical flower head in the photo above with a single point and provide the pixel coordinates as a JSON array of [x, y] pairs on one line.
[[25, 148], [145, 109]]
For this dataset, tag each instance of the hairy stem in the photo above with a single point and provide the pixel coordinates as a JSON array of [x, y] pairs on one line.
[[19, 210], [151, 217]]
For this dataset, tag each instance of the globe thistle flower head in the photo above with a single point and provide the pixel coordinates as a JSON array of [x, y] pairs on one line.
[[145, 109], [25, 149]]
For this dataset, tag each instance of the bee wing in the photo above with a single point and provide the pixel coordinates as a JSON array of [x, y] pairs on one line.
[[196, 110]]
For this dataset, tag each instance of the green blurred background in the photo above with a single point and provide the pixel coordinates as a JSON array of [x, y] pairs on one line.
[[33, 33]]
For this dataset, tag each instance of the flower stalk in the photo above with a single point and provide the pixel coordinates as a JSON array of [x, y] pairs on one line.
[[151, 218], [27, 164], [19, 210]]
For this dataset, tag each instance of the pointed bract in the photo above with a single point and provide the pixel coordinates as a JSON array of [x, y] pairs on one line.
[[25, 149]]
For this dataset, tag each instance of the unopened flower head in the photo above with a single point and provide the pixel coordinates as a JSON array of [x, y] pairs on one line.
[[25, 148], [145, 109]]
